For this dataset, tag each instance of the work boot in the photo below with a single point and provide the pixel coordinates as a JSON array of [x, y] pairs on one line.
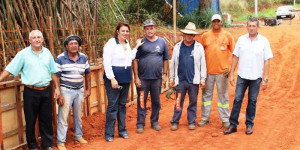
[[156, 127], [139, 130], [226, 125], [61, 147], [202, 123], [174, 127], [192, 127], [81, 141]]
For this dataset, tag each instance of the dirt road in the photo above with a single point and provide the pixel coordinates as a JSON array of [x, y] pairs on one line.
[[277, 120]]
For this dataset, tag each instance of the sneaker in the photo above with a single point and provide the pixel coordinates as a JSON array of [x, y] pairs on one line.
[[226, 125], [192, 127], [109, 139], [124, 136], [174, 127], [202, 123], [139, 130], [156, 127], [61, 147], [81, 140]]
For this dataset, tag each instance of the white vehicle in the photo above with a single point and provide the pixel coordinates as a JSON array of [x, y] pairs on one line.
[[285, 12]]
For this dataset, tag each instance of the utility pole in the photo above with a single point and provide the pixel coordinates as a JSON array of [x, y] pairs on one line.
[[255, 8], [174, 19]]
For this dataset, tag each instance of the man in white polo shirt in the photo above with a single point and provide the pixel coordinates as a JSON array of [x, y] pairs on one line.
[[253, 53]]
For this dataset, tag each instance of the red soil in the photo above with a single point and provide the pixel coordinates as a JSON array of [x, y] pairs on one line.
[[277, 120]]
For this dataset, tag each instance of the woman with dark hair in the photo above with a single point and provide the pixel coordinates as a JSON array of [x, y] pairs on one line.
[[117, 58]]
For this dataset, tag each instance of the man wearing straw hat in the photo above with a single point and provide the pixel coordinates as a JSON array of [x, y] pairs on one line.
[[37, 68], [187, 73], [72, 66], [218, 46]]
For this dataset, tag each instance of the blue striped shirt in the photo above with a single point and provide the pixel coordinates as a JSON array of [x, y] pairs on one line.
[[71, 72]]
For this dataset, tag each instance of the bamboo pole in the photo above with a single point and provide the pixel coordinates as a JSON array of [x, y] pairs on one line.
[[50, 36], [2, 43], [112, 10], [119, 10], [70, 9], [174, 19]]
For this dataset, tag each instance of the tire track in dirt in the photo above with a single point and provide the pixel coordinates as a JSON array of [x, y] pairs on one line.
[[278, 99]]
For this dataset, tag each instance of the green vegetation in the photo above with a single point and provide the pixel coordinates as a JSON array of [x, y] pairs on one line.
[[202, 19]]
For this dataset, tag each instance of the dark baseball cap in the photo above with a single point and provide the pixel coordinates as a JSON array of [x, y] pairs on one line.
[[149, 22], [73, 37]]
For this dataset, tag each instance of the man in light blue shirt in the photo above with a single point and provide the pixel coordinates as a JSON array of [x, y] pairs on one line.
[[37, 68]]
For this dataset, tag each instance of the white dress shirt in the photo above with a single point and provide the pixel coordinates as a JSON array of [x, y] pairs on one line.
[[252, 55]]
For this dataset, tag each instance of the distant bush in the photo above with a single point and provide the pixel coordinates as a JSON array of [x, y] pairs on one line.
[[202, 19]]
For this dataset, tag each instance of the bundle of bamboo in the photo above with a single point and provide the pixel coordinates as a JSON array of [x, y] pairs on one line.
[[90, 19]]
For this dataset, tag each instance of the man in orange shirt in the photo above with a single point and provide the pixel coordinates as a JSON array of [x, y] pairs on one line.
[[218, 47]]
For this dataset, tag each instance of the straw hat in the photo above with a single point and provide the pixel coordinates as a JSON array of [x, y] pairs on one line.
[[190, 28]]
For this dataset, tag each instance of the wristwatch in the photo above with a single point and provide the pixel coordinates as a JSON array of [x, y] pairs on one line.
[[265, 80]]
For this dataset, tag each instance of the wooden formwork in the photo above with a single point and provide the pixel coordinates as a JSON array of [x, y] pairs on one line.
[[12, 122]]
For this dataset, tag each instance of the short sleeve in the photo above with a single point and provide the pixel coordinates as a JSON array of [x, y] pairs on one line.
[[53, 68], [87, 66], [16, 64], [58, 64], [237, 47], [166, 52], [267, 51]]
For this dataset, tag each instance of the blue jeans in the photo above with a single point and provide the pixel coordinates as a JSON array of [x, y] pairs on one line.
[[241, 87], [154, 87], [75, 98], [193, 90], [116, 108]]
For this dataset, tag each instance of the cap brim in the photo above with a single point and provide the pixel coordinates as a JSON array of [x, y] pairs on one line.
[[149, 25], [188, 31], [216, 19]]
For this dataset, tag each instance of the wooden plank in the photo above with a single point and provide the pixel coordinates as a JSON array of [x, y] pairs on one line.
[[54, 116], [19, 112], [96, 67], [21, 146], [8, 107], [1, 132], [99, 90], [9, 84], [7, 134]]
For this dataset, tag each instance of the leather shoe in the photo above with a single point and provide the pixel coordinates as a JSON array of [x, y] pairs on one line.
[[230, 130], [48, 148], [249, 130]]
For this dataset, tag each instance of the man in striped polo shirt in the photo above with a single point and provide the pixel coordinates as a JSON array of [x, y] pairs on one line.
[[72, 66]]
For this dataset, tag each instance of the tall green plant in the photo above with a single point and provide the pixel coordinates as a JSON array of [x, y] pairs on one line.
[[202, 19]]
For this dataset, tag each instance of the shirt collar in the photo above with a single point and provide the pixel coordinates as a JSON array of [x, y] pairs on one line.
[[257, 37], [66, 55], [42, 49], [117, 41]]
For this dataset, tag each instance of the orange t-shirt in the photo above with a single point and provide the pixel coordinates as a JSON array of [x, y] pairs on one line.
[[218, 48]]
